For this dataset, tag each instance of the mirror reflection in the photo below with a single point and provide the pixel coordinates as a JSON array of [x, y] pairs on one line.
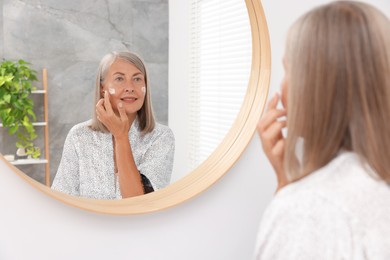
[[208, 74], [122, 152]]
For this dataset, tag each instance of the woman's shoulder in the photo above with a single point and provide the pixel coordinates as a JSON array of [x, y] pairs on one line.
[[160, 134], [162, 131], [160, 128], [81, 129], [346, 173], [338, 200], [344, 185]]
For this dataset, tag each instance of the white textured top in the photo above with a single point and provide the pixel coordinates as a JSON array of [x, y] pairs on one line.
[[87, 164], [338, 212]]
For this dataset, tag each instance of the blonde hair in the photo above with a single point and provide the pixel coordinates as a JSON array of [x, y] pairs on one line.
[[145, 114], [338, 67]]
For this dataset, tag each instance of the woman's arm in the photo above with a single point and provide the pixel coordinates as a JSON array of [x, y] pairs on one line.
[[129, 178], [157, 162], [130, 181]]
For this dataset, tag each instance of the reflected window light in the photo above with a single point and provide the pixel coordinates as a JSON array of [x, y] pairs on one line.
[[220, 65]]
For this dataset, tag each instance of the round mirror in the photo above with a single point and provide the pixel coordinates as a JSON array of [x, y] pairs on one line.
[[206, 166]]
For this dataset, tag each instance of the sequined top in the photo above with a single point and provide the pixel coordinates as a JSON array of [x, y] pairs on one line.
[[87, 165]]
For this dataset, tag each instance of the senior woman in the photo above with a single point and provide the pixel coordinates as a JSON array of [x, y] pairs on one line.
[[122, 152], [333, 168]]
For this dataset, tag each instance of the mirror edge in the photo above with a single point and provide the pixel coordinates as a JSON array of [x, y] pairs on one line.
[[218, 163]]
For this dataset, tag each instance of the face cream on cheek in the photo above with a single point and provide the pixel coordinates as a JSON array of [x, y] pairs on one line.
[[143, 89], [111, 91]]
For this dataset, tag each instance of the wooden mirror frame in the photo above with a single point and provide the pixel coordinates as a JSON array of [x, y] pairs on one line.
[[218, 163]]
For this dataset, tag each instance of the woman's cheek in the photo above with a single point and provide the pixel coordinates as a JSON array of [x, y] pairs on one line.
[[113, 99], [284, 92], [111, 90]]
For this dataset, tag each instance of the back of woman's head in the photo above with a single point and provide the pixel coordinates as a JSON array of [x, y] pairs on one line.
[[338, 67]]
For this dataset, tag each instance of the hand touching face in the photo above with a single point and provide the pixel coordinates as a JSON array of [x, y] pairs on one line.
[[270, 129], [126, 85]]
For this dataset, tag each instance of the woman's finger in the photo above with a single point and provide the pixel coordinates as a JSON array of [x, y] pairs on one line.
[[270, 138], [100, 103], [122, 112], [107, 103], [274, 130], [271, 114], [278, 149], [100, 110], [100, 114], [270, 117], [273, 102]]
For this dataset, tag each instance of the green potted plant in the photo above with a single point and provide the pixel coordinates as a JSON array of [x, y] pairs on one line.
[[16, 105]]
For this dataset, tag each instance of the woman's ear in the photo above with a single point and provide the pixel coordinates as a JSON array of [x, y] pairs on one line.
[[101, 90]]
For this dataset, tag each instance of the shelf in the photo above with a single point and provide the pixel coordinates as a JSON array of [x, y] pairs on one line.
[[38, 91], [34, 124], [39, 124], [45, 160], [28, 161]]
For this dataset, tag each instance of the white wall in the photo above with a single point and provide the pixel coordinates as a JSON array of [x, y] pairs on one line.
[[219, 224]]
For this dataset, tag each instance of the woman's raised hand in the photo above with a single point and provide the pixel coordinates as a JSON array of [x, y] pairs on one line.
[[118, 125], [270, 131]]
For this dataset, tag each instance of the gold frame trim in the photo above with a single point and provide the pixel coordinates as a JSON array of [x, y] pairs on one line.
[[218, 163]]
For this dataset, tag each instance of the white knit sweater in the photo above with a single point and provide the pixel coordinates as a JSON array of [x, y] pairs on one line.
[[341, 211]]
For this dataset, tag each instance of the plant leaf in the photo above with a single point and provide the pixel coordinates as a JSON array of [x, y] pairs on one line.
[[32, 114], [13, 129], [7, 98], [16, 107]]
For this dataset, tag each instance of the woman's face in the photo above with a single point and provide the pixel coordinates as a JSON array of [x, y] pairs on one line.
[[125, 84]]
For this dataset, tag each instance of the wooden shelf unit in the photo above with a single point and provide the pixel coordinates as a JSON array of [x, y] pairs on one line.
[[45, 124], [29, 161]]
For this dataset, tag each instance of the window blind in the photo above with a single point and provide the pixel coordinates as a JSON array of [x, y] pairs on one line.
[[220, 64]]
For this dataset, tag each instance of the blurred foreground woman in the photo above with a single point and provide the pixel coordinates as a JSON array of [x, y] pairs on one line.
[[333, 167]]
